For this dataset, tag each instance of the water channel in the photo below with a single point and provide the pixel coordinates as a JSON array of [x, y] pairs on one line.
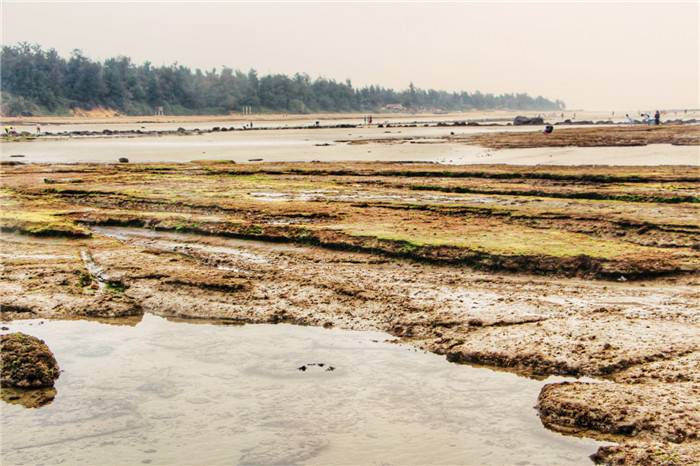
[[156, 391]]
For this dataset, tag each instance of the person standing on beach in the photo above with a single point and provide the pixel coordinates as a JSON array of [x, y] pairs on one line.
[[657, 118], [38, 128]]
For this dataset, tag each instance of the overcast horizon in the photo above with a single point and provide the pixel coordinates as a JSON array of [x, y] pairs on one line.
[[593, 56]]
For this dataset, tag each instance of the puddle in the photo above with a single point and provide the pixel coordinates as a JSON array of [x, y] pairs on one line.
[[167, 392], [181, 242]]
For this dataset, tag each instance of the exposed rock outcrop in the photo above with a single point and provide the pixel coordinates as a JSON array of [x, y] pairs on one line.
[[27, 362]]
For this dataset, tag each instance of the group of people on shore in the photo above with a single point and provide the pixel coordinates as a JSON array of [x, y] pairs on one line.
[[12, 130], [646, 119]]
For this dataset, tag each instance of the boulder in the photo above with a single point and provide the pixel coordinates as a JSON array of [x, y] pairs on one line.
[[523, 120], [27, 362]]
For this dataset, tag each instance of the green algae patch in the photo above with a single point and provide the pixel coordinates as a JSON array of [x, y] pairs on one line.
[[41, 224], [587, 221]]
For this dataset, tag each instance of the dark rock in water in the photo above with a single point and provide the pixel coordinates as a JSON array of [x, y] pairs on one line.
[[123, 160], [107, 131], [523, 120], [320, 365], [181, 130], [27, 362]]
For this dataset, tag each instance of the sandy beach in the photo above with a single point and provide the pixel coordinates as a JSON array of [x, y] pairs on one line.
[[445, 139]]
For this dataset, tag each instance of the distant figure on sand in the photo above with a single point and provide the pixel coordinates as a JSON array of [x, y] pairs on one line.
[[630, 121], [657, 118], [38, 128], [548, 129]]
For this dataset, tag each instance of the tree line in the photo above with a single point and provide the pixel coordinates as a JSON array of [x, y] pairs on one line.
[[40, 82]]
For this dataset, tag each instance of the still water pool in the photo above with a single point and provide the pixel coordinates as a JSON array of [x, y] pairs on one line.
[[168, 392]]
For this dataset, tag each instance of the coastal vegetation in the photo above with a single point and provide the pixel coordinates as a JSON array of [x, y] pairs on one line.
[[38, 82]]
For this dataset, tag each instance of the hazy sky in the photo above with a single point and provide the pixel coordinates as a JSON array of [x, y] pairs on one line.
[[591, 55]]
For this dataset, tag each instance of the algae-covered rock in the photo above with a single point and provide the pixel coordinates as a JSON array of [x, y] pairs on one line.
[[27, 362]]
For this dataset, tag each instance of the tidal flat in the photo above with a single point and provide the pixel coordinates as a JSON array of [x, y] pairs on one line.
[[538, 270]]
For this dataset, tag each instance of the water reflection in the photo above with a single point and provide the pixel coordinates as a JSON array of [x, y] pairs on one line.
[[28, 398], [172, 392]]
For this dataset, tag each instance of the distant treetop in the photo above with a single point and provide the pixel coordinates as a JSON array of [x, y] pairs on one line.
[[38, 82]]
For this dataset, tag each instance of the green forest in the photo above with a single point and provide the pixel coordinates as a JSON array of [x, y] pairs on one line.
[[37, 82]]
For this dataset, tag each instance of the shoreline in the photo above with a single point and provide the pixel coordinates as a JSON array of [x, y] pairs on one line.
[[451, 144], [501, 116]]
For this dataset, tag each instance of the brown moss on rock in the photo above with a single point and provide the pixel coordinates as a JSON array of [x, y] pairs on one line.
[[648, 453], [27, 362], [655, 412]]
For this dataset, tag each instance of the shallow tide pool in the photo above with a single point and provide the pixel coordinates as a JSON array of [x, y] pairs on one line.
[[171, 392]]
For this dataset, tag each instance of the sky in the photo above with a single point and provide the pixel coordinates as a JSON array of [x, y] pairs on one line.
[[624, 56]]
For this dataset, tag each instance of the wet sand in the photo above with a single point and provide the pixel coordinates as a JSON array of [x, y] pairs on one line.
[[431, 143]]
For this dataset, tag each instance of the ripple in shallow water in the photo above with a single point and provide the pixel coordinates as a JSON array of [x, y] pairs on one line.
[[173, 392]]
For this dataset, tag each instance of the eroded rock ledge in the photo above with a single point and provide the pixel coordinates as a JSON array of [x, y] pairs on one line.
[[362, 248]]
